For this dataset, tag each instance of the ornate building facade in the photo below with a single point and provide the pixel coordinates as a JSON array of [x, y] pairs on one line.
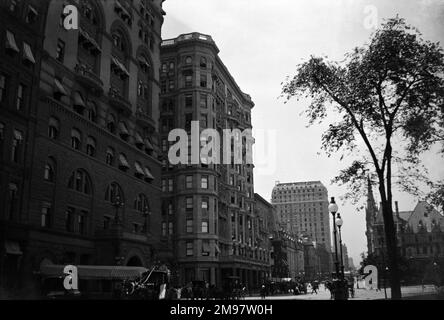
[[94, 179], [208, 209]]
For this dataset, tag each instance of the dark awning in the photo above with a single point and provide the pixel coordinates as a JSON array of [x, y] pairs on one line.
[[95, 272]]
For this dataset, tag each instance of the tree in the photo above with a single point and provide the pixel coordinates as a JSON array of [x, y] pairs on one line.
[[389, 95]]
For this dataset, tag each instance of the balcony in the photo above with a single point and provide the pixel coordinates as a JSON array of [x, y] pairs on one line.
[[88, 78], [144, 119], [120, 103]]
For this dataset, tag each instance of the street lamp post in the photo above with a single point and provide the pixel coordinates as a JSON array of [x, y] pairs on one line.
[[339, 223], [333, 208], [118, 203]]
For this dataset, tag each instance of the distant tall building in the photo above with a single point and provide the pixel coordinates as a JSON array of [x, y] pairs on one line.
[[302, 209]]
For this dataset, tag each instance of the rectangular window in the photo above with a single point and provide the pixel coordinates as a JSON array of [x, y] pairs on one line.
[[164, 230], [188, 81], [60, 53], [31, 17], [163, 185], [171, 85], [189, 204], [20, 97], [46, 216], [170, 185], [81, 222], [188, 100], [203, 101], [189, 182], [189, 248], [205, 227], [106, 222], [163, 86], [189, 225], [170, 228], [203, 80], [2, 88], [205, 248], [203, 120], [16, 146], [69, 214], [204, 182], [170, 208]]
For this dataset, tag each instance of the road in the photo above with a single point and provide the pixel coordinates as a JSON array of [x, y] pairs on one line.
[[360, 294]]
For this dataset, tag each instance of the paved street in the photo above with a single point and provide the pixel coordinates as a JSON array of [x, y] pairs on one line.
[[360, 294]]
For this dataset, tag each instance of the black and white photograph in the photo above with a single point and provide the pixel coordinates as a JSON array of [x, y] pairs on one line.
[[222, 156]]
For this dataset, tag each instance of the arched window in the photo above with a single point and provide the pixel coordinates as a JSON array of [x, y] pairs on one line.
[[203, 62], [188, 60], [141, 204], [76, 139], [80, 182], [110, 156], [111, 123], [91, 146], [53, 128], [50, 169], [113, 191]]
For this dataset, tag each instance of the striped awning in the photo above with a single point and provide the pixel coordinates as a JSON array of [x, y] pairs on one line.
[[148, 174], [78, 100], [95, 272], [123, 161], [148, 145], [139, 139], [119, 65], [59, 88], [143, 61], [90, 39], [139, 169], [123, 129], [10, 41], [27, 53]]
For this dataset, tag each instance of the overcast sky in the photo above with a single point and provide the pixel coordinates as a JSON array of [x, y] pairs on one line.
[[262, 41]]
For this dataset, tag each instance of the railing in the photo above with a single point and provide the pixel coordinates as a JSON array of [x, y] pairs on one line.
[[86, 71], [187, 36]]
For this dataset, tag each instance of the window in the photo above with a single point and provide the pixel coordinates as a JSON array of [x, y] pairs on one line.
[[205, 227], [45, 217], [203, 101], [110, 156], [111, 123], [170, 185], [49, 174], [171, 85], [164, 229], [16, 150], [189, 182], [69, 216], [92, 112], [163, 86], [189, 225], [205, 202], [170, 208], [163, 185], [75, 139], [204, 182], [106, 222], [2, 88], [205, 248], [60, 51], [164, 67], [53, 128], [113, 193], [124, 133], [141, 204], [91, 146], [80, 182], [188, 81], [170, 228], [189, 203], [203, 120], [203, 62], [13, 5], [81, 219], [189, 248], [123, 162], [12, 201], [20, 97], [188, 100], [188, 60], [203, 80]]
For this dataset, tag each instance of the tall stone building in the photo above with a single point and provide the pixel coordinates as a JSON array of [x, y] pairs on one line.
[[93, 175], [208, 209], [302, 208]]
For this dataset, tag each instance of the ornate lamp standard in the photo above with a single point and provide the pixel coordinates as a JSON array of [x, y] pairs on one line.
[[117, 203], [339, 223], [333, 209]]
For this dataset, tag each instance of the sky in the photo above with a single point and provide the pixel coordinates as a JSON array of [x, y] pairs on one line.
[[262, 41]]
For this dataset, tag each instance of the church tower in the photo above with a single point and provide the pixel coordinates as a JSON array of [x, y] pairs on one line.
[[370, 214]]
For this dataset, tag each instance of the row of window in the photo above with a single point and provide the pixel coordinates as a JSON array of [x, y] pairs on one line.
[[17, 145], [170, 85], [170, 66], [12, 49], [168, 184], [31, 14], [110, 156]]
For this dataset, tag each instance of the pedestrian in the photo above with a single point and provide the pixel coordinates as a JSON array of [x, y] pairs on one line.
[[263, 291]]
